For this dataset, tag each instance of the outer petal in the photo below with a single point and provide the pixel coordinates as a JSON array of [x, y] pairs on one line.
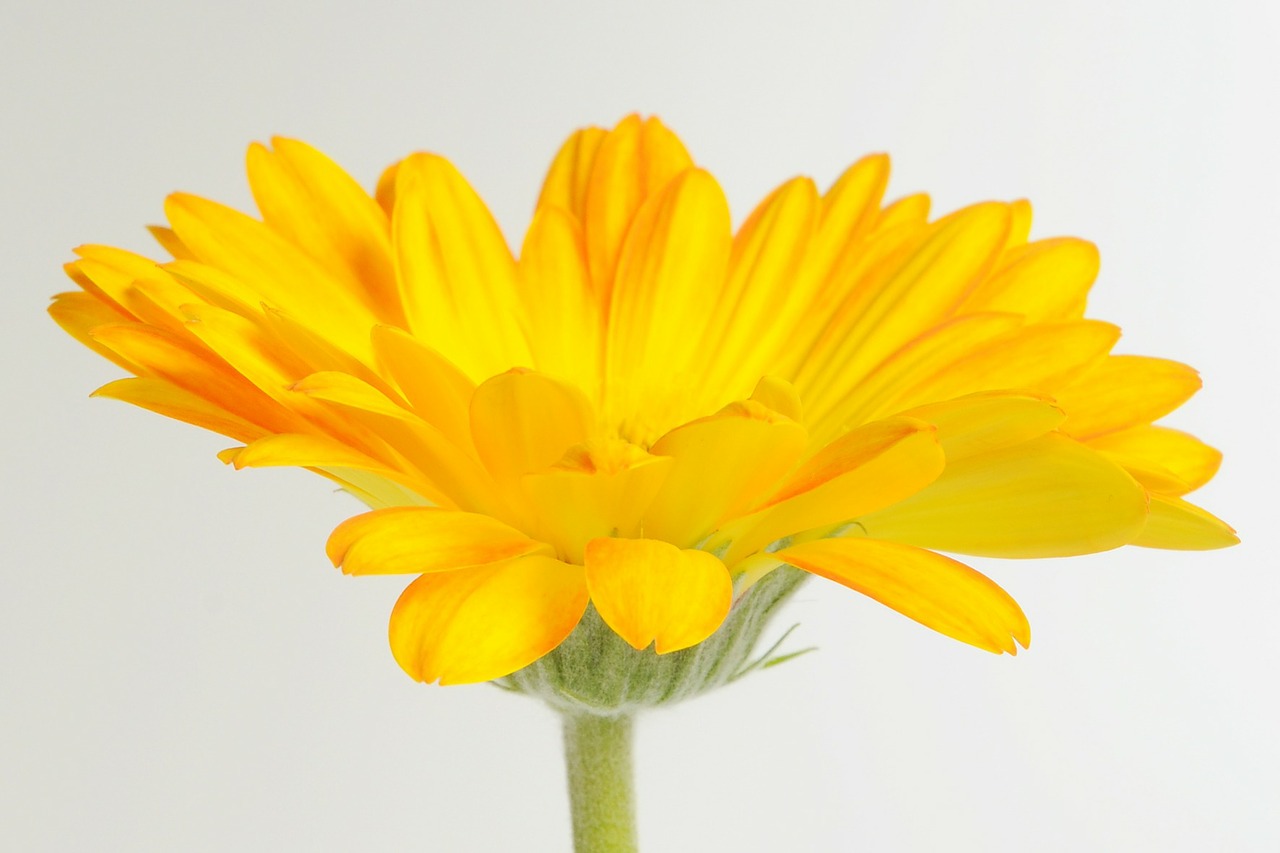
[[171, 401], [1192, 462], [650, 592], [439, 392], [415, 540], [934, 590], [1047, 280], [1177, 525], [480, 624], [1049, 497], [1123, 391]]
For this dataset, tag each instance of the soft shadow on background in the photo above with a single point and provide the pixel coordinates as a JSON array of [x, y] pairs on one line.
[[182, 670]]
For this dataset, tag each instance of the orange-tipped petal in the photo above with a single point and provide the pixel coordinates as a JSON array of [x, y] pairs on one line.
[[416, 540], [480, 624], [936, 591]]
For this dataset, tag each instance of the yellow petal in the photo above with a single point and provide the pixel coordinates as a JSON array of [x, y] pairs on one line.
[[634, 162], [1192, 462], [303, 451], [723, 465], [876, 321], [1046, 281], [278, 272], [79, 314], [523, 422], [988, 421], [565, 321], [566, 183], [167, 399], [754, 317], [1042, 358], [480, 624], [309, 199], [884, 390], [1124, 391], [457, 277], [457, 479], [1177, 525], [650, 592], [936, 591], [414, 540], [867, 469], [596, 489], [667, 285], [161, 355], [779, 395], [437, 390], [1048, 497]]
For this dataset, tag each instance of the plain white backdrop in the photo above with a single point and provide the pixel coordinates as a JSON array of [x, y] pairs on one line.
[[182, 670]]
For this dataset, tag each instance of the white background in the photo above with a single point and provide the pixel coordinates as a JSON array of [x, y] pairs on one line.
[[181, 669]]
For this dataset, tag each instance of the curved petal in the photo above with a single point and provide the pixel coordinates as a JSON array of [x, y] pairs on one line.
[[983, 422], [523, 421], [723, 465], [1192, 462], [650, 592], [416, 540], [597, 489], [1046, 281], [1048, 497], [936, 591], [1177, 525], [1123, 391], [480, 624], [630, 165], [867, 469]]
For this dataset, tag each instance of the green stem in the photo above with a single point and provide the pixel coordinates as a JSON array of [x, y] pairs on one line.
[[597, 755]]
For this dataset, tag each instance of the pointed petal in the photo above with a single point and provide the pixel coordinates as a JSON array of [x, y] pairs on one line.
[[633, 163], [1177, 525], [936, 591], [457, 480], [309, 199], [922, 292], [565, 318], [723, 465], [1044, 358], [167, 399], [1046, 281], [865, 470], [437, 390], [988, 421], [1124, 391], [667, 284], [457, 277], [650, 592], [281, 274], [1189, 460], [566, 183], [480, 624], [1048, 497], [415, 540]]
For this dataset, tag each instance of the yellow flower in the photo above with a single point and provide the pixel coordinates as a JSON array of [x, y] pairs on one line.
[[646, 410]]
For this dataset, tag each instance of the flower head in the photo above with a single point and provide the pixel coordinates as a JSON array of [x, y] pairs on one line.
[[644, 409]]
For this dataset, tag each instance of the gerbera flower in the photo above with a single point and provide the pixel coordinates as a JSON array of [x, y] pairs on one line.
[[646, 411]]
